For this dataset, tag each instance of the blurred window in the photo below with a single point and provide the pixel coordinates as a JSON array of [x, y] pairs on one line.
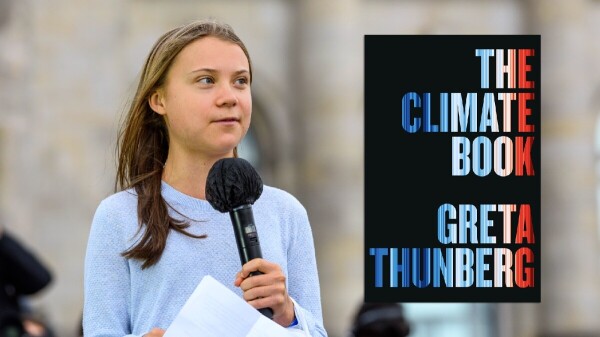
[[451, 319], [249, 150]]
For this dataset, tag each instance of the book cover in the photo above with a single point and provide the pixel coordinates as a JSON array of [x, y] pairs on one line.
[[452, 168]]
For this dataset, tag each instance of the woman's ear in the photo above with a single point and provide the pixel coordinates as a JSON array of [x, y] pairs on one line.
[[156, 102]]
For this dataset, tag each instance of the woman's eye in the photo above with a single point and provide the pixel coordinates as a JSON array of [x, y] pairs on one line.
[[206, 80], [241, 81]]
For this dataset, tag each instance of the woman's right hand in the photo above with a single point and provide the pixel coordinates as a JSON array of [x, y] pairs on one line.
[[155, 332]]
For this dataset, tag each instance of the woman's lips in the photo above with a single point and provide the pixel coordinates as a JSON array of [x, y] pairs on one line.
[[231, 120]]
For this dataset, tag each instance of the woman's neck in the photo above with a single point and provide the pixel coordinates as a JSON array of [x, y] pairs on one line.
[[188, 174]]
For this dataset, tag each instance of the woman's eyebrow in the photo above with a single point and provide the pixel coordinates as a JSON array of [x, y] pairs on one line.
[[212, 71]]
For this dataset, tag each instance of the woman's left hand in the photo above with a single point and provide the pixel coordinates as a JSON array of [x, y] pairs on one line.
[[266, 290]]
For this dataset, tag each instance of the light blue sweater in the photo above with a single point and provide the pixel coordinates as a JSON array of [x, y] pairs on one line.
[[121, 299]]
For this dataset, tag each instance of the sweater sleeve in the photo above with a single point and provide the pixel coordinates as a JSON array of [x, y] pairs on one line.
[[303, 277], [106, 309], [26, 272]]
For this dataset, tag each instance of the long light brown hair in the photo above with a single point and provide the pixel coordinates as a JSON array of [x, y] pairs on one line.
[[143, 140]]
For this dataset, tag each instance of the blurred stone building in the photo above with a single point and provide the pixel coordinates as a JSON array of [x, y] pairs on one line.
[[67, 67]]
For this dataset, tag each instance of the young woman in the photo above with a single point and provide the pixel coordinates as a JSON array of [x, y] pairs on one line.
[[152, 241]]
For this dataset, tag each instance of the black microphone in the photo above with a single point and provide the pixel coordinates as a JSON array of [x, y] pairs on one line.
[[233, 186]]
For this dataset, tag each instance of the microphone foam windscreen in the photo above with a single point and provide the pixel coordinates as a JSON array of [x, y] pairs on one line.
[[232, 182]]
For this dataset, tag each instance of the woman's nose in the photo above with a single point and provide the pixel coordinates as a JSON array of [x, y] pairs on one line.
[[227, 96]]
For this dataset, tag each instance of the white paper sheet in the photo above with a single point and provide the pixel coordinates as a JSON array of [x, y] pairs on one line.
[[213, 310]]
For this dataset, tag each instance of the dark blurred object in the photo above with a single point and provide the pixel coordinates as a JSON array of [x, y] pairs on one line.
[[21, 274], [380, 320], [11, 326]]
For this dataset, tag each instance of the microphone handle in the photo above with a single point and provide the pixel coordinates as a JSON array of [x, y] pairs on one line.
[[246, 238]]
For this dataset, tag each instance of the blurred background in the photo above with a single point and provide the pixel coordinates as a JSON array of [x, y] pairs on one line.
[[67, 68]]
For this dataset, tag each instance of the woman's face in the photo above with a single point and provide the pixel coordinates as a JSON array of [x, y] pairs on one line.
[[206, 98]]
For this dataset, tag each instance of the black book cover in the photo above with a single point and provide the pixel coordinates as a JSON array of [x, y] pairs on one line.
[[452, 168]]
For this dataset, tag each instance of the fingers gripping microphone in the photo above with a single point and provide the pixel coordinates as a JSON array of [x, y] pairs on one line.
[[233, 185]]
